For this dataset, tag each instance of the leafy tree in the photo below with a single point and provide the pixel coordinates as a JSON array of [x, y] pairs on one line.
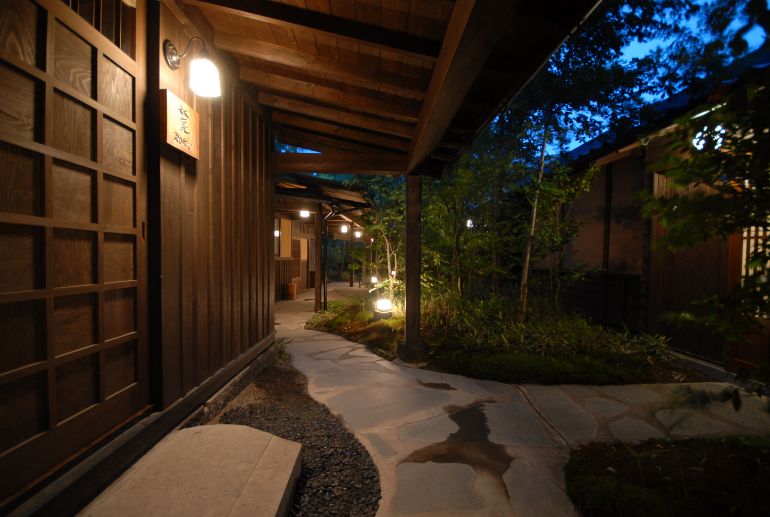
[[724, 188]]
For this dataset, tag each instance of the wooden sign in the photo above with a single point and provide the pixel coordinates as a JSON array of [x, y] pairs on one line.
[[180, 124]]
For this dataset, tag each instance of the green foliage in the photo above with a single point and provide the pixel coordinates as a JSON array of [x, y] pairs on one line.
[[697, 477], [721, 190]]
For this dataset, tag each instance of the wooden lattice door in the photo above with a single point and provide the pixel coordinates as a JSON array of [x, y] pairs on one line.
[[73, 360]]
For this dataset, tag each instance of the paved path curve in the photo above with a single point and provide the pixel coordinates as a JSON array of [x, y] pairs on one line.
[[449, 445]]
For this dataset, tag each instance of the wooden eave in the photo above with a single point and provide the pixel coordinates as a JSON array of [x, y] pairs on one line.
[[391, 88]]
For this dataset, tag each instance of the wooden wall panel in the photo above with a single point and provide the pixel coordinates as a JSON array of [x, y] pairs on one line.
[[216, 226], [72, 253]]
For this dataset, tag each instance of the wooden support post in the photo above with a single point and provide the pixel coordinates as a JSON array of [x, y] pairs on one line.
[[413, 349], [317, 257], [350, 256]]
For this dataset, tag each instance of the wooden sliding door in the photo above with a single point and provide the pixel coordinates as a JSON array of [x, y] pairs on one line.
[[73, 359]]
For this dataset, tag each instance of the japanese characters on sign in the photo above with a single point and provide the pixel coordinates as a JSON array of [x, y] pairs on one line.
[[180, 124]]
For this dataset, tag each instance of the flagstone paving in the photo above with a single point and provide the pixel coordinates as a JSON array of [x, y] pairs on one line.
[[449, 445]]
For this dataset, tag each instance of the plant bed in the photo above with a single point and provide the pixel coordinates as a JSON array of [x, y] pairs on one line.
[[695, 477], [553, 348]]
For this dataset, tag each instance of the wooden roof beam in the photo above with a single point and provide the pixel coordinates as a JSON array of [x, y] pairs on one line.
[[321, 143], [406, 110], [390, 127], [305, 19], [335, 130], [343, 163], [474, 28], [310, 63]]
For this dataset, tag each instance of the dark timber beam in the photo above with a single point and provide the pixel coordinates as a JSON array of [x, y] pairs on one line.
[[335, 130], [310, 63], [474, 28], [406, 110], [413, 349], [356, 32], [341, 163], [317, 259], [389, 127]]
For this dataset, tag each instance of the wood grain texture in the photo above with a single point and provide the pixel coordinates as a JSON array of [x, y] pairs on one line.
[[118, 207], [21, 181], [120, 367], [24, 404], [119, 312], [74, 257], [117, 147], [77, 385], [20, 258], [74, 323], [73, 126], [119, 257], [22, 326], [18, 30], [17, 103], [73, 60], [116, 89], [74, 190]]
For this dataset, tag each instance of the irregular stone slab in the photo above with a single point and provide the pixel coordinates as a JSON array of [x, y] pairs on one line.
[[631, 393], [574, 423], [630, 429], [749, 416], [576, 390], [435, 487], [433, 430], [381, 446], [534, 494], [209, 471], [514, 423], [686, 422], [362, 408], [607, 408]]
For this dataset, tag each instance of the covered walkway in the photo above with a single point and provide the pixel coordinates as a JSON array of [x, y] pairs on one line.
[[449, 445]]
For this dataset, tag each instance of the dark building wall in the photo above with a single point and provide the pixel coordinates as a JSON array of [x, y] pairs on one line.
[[216, 229]]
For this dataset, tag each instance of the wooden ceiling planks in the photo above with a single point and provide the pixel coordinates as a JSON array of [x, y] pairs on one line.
[[373, 75]]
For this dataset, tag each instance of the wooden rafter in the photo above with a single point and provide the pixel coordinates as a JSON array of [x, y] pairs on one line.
[[390, 127], [404, 110], [346, 163], [335, 130], [474, 28], [343, 28], [369, 75], [321, 143]]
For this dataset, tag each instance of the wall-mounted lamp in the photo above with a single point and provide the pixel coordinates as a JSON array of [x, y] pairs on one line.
[[304, 214], [344, 228], [204, 75], [357, 234], [276, 233]]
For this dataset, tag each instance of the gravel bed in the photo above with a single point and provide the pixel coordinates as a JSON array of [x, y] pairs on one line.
[[338, 476]]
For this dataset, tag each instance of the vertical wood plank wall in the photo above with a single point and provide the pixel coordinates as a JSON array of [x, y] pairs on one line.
[[216, 227]]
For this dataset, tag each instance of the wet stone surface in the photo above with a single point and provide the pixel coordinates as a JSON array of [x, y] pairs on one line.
[[338, 476]]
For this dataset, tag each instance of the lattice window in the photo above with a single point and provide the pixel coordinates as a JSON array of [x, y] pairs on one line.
[[116, 19], [754, 239]]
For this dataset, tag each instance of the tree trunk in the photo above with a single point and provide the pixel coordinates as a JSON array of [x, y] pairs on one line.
[[524, 287]]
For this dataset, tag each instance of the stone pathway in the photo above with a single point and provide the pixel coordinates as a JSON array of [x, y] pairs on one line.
[[450, 445]]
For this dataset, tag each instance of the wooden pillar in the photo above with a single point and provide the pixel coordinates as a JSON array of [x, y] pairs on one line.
[[317, 257], [413, 347], [350, 256]]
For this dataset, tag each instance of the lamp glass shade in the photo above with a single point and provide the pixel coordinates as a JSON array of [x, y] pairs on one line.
[[276, 233], [374, 279], [383, 305], [304, 214], [204, 78], [344, 228], [357, 234]]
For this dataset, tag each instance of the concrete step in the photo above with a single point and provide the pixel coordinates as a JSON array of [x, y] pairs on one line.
[[210, 470]]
